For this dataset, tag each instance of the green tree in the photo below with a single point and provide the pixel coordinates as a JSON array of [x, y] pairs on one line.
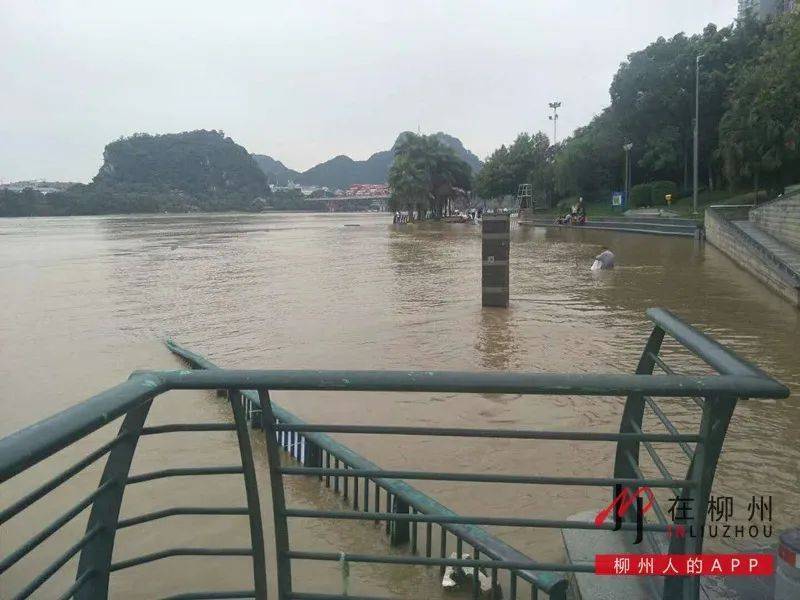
[[528, 160], [426, 175], [409, 185], [759, 134], [591, 162], [652, 96]]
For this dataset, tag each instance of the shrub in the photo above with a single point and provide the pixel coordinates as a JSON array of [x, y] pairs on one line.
[[640, 196], [659, 189]]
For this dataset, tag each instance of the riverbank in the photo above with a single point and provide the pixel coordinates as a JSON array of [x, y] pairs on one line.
[[681, 208]]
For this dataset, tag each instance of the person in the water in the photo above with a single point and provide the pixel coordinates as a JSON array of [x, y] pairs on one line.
[[604, 260]]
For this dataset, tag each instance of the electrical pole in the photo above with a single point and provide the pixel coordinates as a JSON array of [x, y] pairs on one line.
[[696, 130], [554, 118]]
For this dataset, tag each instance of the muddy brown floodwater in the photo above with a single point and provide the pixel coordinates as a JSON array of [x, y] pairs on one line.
[[87, 300]]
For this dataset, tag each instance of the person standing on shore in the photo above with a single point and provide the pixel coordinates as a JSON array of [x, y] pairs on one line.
[[580, 212]]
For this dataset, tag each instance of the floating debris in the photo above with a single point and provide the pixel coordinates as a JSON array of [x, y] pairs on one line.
[[455, 577]]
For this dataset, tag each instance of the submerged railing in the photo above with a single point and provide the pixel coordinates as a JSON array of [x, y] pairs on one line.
[[405, 508]]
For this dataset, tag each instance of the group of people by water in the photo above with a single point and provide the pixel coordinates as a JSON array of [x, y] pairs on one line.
[[400, 217], [576, 215], [473, 215]]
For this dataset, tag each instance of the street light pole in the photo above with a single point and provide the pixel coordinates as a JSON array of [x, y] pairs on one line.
[[627, 147], [554, 118], [696, 130]]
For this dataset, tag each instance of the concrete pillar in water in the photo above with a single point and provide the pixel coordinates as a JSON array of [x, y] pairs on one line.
[[496, 243]]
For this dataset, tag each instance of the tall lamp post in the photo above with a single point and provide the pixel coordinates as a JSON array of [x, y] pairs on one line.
[[696, 130], [627, 147], [554, 118]]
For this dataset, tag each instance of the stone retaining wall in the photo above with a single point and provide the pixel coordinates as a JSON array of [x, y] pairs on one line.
[[748, 254], [781, 219]]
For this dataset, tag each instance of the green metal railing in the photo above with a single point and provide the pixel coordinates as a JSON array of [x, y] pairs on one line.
[[406, 510]]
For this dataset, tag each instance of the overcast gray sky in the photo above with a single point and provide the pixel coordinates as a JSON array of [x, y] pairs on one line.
[[304, 80]]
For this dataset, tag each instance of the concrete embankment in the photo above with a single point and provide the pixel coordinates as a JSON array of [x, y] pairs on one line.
[[752, 242], [652, 225]]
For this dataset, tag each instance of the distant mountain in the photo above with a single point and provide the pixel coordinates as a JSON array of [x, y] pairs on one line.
[[276, 172], [342, 171], [193, 171], [176, 172], [202, 164], [464, 154]]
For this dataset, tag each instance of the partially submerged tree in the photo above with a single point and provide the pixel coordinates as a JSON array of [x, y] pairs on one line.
[[426, 175]]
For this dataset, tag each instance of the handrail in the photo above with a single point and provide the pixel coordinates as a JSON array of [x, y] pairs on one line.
[[706, 348], [249, 396], [470, 533], [28, 446], [730, 206], [477, 383]]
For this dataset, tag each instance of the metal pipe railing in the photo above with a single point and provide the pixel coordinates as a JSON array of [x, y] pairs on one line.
[[709, 350], [406, 507], [538, 384], [26, 447]]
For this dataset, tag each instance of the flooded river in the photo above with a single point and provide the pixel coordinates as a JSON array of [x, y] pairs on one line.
[[85, 301]]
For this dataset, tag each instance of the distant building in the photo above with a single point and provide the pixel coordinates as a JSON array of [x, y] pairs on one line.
[[367, 190], [289, 187], [41, 186], [764, 9], [315, 191]]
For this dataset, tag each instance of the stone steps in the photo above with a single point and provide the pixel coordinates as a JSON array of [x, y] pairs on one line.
[[781, 219], [782, 251], [773, 262]]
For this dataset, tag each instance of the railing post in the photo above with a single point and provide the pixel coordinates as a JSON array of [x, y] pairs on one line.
[[284, 563], [312, 456], [96, 555], [633, 414], [256, 415], [251, 491], [399, 530], [717, 412]]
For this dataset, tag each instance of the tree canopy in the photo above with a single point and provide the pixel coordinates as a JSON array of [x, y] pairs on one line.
[[749, 119], [760, 132], [425, 175], [526, 160]]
